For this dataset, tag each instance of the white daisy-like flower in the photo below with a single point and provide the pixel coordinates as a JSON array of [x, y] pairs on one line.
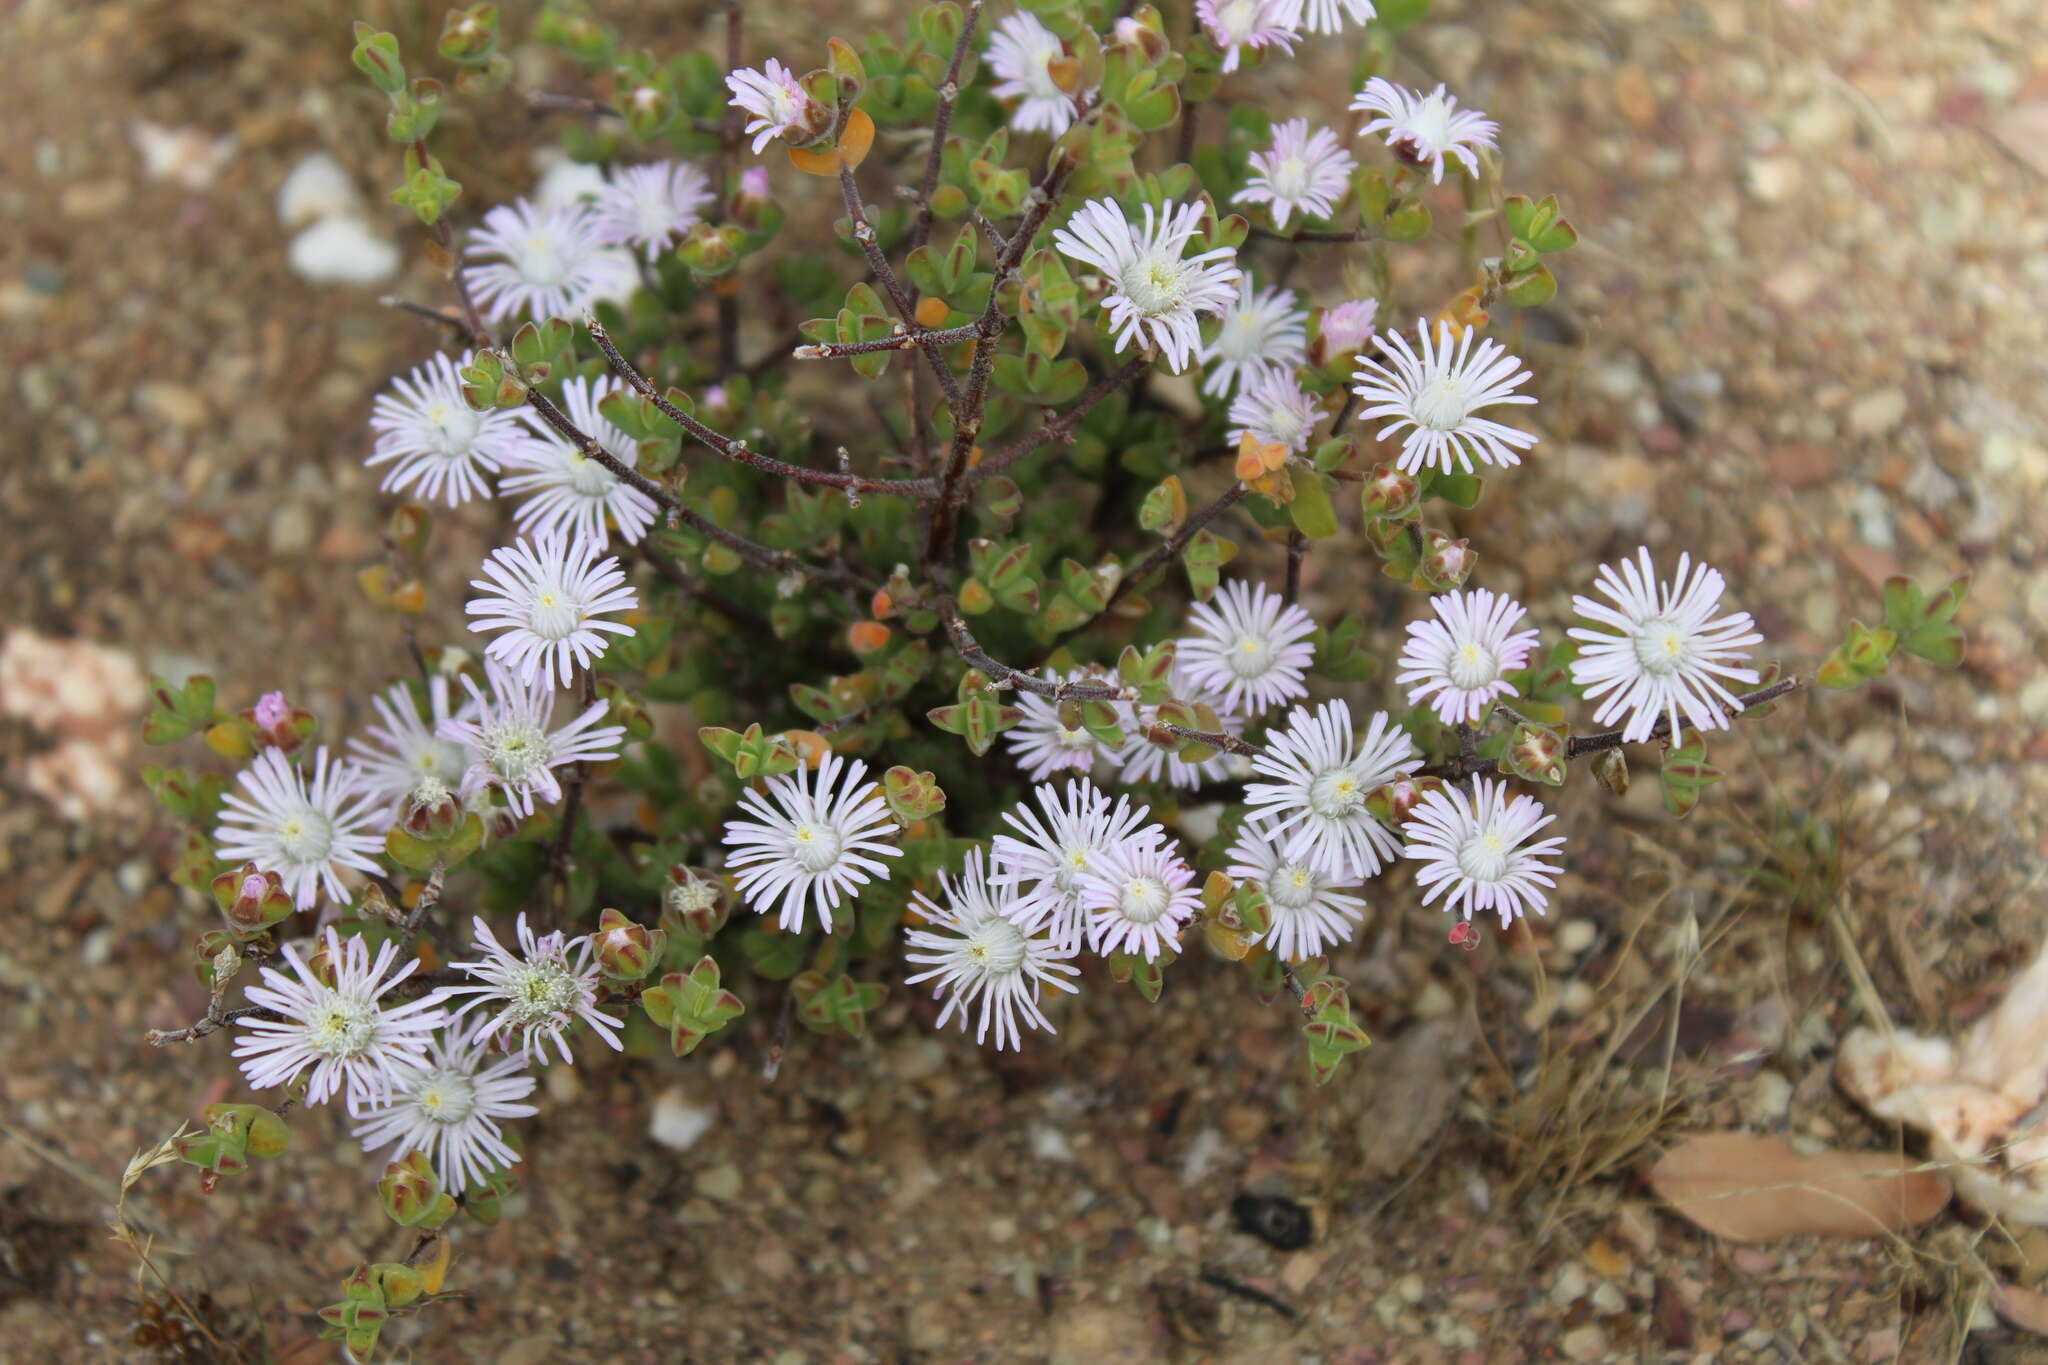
[[1155, 294], [1463, 657], [1042, 744], [1661, 652], [779, 106], [1274, 410], [1020, 53], [1321, 779], [304, 831], [543, 262], [1308, 910], [1476, 847], [985, 959], [549, 597], [1436, 395], [1046, 859], [432, 439], [1424, 129], [651, 206], [816, 837], [1234, 25], [448, 1109], [1249, 646], [1300, 173], [572, 493], [537, 993], [1344, 329], [1261, 333], [1330, 16], [1136, 897], [403, 756], [511, 746], [352, 1041]]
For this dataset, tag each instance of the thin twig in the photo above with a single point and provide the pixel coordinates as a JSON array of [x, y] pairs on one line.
[[1215, 739], [1002, 675], [1297, 549], [949, 90], [1060, 427], [879, 267], [214, 1020], [448, 320]]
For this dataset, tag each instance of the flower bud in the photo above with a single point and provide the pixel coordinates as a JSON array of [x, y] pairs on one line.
[[695, 902], [432, 812], [412, 1196], [1536, 752], [626, 951], [1464, 934], [251, 901], [1448, 562], [1389, 493], [709, 252], [1391, 804]]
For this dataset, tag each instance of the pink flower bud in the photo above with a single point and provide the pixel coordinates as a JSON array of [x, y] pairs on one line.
[[272, 710]]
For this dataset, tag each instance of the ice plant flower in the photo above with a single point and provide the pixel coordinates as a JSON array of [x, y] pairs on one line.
[[983, 958], [510, 745], [304, 830], [403, 758], [543, 262], [1249, 646], [549, 598], [352, 1042], [1476, 847], [570, 491], [1046, 858], [1344, 329], [1660, 653], [1314, 807], [448, 1108], [1330, 16], [1021, 53], [1463, 657], [537, 993], [777, 104], [1302, 172], [1309, 911], [816, 837], [1274, 410], [1155, 294], [1136, 896], [1261, 333], [1234, 25], [651, 206], [1042, 744], [436, 445], [1437, 394], [1423, 129]]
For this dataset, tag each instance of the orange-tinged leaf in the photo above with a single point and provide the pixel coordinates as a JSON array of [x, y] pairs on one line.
[[434, 1270], [824, 163], [855, 140], [865, 637], [811, 747], [1749, 1188], [931, 311]]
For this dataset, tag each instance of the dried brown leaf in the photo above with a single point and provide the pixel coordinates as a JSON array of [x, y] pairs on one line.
[[2021, 1307], [1748, 1188]]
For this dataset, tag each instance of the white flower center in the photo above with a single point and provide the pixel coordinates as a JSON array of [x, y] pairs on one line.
[[516, 751], [1236, 20], [1155, 283], [446, 1097], [438, 760], [1335, 793], [554, 613], [815, 847], [1144, 899], [1291, 887], [452, 428], [692, 896], [1037, 75], [1289, 179], [1472, 666], [1072, 739], [1285, 423], [541, 988], [783, 105], [1243, 336], [341, 1025], [653, 215], [541, 263], [1442, 404], [1429, 123], [1250, 657], [1484, 856], [1662, 646], [587, 476], [996, 946], [305, 836]]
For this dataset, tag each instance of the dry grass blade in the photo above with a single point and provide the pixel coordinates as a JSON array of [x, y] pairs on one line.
[[1748, 1188]]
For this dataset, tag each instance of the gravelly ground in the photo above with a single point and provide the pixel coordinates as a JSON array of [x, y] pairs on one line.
[[1803, 336]]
